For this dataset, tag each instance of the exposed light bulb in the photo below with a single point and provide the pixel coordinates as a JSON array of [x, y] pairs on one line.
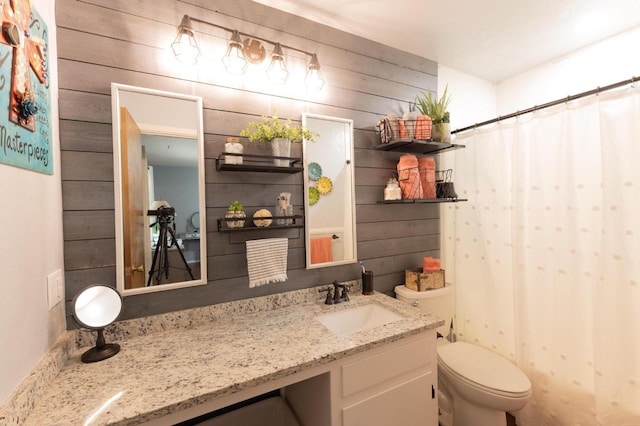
[[314, 80], [185, 47], [234, 60], [277, 71]]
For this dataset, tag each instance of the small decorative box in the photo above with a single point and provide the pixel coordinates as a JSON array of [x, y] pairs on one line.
[[417, 280]]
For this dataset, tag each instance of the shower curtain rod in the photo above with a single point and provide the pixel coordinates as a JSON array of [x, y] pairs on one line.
[[595, 91]]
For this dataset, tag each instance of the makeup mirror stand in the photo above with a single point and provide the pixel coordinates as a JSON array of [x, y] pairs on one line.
[[101, 351], [94, 308]]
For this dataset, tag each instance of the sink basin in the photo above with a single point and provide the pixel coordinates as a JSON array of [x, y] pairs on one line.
[[359, 318]]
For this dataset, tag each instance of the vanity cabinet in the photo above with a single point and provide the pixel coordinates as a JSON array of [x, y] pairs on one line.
[[394, 384], [211, 360]]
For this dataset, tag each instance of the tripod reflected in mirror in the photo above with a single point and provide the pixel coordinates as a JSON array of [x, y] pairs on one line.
[[167, 240]]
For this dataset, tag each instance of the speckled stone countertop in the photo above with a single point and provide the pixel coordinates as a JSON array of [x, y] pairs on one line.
[[196, 360]]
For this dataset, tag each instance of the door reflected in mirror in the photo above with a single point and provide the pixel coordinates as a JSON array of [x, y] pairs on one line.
[[330, 222], [159, 190]]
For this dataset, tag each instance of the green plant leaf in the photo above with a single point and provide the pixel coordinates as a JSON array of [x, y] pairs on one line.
[[428, 104], [274, 127]]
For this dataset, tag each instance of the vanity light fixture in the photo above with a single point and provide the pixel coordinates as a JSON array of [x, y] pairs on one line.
[[185, 47], [277, 69], [240, 54]]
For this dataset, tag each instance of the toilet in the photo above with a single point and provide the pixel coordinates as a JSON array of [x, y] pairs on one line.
[[475, 386]]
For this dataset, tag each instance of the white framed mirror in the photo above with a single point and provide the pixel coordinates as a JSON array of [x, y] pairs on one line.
[[159, 189], [329, 188]]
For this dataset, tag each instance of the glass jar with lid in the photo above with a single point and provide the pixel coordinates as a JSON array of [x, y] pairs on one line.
[[392, 190]]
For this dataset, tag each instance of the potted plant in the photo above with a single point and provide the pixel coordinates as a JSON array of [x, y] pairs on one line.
[[235, 211], [430, 105], [280, 133]]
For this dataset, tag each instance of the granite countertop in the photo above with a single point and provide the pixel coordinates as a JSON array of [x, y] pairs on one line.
[[161, 372]]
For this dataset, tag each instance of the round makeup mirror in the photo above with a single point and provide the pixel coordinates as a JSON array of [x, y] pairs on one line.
[[96, 307]]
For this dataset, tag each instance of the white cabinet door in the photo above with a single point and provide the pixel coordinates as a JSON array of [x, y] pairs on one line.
[[407, 404]]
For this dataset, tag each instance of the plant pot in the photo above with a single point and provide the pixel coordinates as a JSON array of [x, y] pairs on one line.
[[281, 147], [441, 132], [236, 223], [446, 132]]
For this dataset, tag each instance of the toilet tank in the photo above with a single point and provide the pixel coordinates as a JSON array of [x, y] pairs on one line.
[[439, 302]]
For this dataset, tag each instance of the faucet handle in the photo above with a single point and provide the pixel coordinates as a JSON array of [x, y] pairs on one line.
[[345, 292], [329, 299]]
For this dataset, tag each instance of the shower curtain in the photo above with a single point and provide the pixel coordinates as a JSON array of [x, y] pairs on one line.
[[545, 255]]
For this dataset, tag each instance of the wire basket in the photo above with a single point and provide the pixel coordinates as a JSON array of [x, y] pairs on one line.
[[444, 184], [394, 129], [415, 183], [410, 183]]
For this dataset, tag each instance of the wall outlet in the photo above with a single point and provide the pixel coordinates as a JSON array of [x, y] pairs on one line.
[[55, 290]]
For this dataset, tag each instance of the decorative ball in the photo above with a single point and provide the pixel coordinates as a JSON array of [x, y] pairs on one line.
[[262, 223]]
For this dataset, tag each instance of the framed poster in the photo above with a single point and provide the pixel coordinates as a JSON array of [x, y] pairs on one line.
[[25, 127]]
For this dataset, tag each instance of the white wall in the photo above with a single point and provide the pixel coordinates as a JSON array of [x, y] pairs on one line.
[[31, 248], [472, 99], [603, 63]]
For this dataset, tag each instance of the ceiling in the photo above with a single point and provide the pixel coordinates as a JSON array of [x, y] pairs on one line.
[[490, 39]]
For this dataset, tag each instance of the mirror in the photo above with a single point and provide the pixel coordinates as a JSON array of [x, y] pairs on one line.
[[96, 307], [159, 190], [330, 218]]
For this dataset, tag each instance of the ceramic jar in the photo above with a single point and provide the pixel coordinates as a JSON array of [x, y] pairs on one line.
[[392, 190], [233, 146]]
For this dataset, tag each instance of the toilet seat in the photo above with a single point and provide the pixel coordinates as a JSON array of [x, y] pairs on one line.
[[483, 369]]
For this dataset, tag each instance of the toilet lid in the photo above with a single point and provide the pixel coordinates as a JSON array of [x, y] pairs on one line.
[[483, 367]]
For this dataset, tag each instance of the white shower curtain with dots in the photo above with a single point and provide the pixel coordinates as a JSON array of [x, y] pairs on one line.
[[545, 255]]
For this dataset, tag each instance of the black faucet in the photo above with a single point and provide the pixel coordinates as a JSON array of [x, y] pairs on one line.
[[337, 294]]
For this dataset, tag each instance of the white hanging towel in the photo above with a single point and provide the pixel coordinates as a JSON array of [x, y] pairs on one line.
[[267, 261]]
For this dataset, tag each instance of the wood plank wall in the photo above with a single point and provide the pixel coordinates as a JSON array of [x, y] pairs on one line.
[[124, 41]]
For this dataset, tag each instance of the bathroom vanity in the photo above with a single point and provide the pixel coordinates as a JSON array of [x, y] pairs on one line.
[[178, 366]]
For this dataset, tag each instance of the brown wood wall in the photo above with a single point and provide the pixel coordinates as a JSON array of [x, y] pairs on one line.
[[124, 41]]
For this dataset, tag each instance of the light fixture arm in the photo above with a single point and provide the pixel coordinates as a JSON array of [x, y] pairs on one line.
[[231, 30]]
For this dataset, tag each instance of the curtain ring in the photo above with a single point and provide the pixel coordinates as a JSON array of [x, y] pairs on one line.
[[633, 82]]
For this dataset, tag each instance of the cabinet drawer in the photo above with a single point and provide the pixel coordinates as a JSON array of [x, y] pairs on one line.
[[406, 404], [388, 364]]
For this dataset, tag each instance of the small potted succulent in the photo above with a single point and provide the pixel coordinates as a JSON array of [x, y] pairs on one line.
[[235, 211], [280, 133]]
